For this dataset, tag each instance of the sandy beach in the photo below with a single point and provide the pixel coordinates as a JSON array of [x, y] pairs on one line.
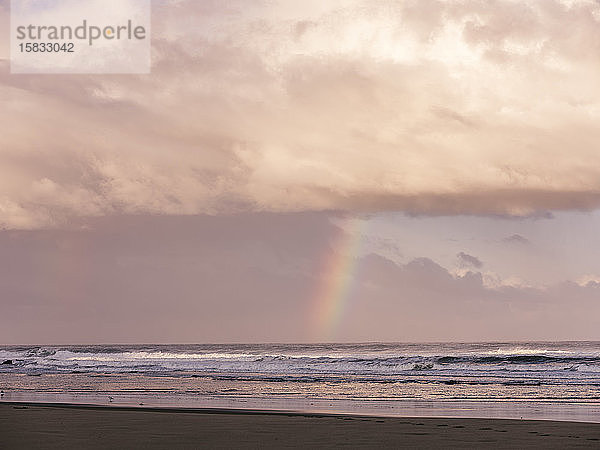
[[80, 426]]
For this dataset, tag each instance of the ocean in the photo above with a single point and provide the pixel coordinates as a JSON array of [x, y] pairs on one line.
[[545, 380]]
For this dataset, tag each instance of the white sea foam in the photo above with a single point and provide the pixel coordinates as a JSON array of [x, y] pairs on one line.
[[563, 371], [560, 363]]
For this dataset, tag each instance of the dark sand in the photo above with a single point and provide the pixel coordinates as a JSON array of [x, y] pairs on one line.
[[69, 426]]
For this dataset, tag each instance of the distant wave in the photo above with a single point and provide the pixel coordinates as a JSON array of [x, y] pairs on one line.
[[562, 371], [568, 360], [517, 359]]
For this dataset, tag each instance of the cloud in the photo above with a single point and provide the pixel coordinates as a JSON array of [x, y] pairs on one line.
[[421, 300], [589, 280], [469, 260], [427, 107], [516, 239]]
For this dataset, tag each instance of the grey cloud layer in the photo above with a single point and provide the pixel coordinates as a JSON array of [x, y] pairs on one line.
[[429, 107], [255, 277]]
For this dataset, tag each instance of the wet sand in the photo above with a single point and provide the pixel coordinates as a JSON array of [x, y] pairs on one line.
[[79, 426]]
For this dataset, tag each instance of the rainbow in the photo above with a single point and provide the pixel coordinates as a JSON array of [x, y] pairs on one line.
[[337, 279]]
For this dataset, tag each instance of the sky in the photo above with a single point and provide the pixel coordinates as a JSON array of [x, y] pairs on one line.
[[311, 171]]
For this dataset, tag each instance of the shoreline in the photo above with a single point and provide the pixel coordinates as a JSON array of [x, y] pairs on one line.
[[263, 412], [538, 409], [68, 425]]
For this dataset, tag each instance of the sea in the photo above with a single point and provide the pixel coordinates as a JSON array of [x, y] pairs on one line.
[[540, 380]]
